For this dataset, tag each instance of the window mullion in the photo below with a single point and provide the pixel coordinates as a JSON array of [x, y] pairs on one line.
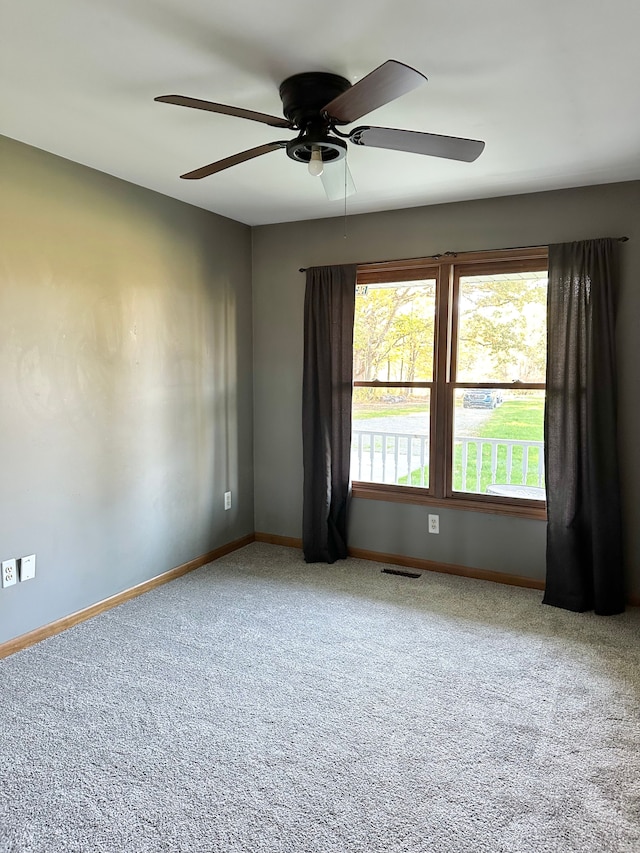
[[441, 372]]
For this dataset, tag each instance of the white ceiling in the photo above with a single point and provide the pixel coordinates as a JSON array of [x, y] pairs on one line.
[[551, 86]]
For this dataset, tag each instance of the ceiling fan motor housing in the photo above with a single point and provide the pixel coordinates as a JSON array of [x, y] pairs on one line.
[[303, 98]]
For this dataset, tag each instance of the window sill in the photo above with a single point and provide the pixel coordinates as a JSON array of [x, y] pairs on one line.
[[494, 506]]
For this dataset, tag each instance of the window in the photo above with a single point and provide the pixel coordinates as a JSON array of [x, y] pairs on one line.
[[449, 370]]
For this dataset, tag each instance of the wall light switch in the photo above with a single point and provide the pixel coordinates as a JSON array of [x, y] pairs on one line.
[[227, 500], [28, 567]]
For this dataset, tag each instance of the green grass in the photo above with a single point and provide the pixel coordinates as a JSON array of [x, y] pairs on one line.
[[520, 420], [385, 411], [382, 410], [515, 419]]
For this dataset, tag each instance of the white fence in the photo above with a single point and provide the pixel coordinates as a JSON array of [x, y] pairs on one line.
[[517, 472], [391, 457], [387, 457]]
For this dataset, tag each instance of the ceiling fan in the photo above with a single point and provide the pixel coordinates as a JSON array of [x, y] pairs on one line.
[[315, 103]]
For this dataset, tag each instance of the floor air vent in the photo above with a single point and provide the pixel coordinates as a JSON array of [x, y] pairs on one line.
[[399, 572]]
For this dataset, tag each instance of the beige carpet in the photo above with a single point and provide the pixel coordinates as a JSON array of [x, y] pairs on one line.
[[260, 704]]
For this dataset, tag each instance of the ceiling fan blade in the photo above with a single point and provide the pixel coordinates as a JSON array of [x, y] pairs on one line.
[[337, 181], [449, 147], [384, 84], [219, 165], [225, 109]]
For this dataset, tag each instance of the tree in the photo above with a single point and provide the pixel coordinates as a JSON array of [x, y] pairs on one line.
[[501, 336], [412, 335], [375, 337], [502, 330]]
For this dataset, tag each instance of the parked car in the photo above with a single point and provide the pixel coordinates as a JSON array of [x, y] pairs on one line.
[[482, 398]]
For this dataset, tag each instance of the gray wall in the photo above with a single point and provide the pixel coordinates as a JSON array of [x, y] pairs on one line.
[[125, 383], [477, 540]]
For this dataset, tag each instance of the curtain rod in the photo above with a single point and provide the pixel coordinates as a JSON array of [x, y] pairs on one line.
[[451, 254]]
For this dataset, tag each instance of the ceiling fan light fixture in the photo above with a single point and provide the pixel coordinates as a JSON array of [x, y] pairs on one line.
[[330, 148], [316, 166]]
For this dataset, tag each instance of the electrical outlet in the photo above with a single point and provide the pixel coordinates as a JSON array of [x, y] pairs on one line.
[[227, 500], [28, 567], [9, 573], [434, 524]]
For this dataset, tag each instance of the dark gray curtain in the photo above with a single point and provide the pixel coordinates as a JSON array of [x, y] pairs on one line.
[[584, 549], [326, 410]]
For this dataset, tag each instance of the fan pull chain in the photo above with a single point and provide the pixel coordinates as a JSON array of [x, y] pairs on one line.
[[344, 236]]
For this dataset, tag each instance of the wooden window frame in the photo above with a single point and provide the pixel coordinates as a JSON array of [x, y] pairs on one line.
[[447, 271]]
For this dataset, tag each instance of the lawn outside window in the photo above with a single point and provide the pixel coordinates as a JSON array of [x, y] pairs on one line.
[[449, 370]]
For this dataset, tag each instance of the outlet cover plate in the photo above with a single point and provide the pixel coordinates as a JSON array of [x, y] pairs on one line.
[[227, 500], [434, 524], [9, 573], [28, 567]]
